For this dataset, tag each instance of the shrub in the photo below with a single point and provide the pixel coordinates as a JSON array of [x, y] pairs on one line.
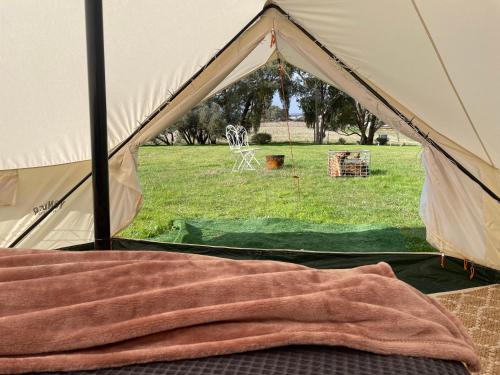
[[342, 141], [261, 138], [382, 140]]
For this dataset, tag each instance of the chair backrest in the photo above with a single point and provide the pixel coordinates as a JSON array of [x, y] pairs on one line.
[[232, 137], [236, 137], [242, 136]]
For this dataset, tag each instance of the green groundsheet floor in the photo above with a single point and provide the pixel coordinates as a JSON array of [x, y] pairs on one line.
[[290, 234]]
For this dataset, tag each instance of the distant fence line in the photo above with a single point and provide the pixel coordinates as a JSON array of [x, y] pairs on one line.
[[301, 133]]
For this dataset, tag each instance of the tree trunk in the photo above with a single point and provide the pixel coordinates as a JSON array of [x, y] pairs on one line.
[[362, 119], [317, 135], [318, 131], [163, 138], [187, 137], [201, 136], [246, 109], [371, 134], [375, 125], [285, 102], [321, 129], [314, 130]]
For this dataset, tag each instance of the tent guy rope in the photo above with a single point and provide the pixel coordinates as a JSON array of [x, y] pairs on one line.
[[282, 72]]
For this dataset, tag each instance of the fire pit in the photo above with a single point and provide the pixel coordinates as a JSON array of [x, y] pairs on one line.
[[275, 161]]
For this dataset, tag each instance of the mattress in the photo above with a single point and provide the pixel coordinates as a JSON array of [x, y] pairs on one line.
[[293, 360]]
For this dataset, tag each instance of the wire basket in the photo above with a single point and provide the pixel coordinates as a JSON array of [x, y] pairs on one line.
[[349, 163]]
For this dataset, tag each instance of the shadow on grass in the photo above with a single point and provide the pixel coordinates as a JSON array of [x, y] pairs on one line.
[[333, 238], [378, 172]]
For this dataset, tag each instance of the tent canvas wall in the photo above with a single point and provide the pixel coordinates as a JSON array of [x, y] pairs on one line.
[[403, 60]]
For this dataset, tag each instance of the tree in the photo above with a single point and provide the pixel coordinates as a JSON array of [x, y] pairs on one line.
[[212, 121], [249, 101], [187, 126], [288, 84], [166, 137], [318, 101], [327, 108], [273, 113], [351, 118], [245, 102], [202, 124]]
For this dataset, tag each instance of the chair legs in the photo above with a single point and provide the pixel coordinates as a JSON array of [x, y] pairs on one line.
[[245, 161]]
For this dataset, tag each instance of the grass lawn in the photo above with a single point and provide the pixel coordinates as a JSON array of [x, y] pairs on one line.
[[191, 195]]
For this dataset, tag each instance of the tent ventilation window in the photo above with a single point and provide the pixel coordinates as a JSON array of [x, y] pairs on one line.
[[8, 188]]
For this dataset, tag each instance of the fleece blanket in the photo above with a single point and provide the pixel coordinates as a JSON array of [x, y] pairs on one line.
[[62, 311]]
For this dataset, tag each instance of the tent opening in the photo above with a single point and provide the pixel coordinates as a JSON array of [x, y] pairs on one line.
[[463, 228]]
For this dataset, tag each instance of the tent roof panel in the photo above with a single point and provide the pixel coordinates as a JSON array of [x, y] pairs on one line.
[[256, 59], [473, 62], [43, 90], [151, 48]]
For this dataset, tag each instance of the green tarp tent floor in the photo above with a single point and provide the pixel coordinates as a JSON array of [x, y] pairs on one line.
[[294, 234], [324, 246], [422, 270]]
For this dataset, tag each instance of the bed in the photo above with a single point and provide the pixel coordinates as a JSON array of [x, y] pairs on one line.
[[294, 360]]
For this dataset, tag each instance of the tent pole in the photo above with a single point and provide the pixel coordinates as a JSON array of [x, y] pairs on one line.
[[98, 123]]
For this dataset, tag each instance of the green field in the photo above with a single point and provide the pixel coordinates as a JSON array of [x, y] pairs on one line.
[[191, 195]]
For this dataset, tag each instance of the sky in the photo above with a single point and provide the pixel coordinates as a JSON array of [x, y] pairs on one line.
[[294, 106]]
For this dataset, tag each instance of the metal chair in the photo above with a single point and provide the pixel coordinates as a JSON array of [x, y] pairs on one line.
[[237, 138]]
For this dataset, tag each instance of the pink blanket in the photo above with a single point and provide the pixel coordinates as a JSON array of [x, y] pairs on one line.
[[66, 311]]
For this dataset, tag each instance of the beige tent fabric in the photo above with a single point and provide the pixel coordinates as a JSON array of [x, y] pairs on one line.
[[72, 221], [210, 78], [151, 48], [39, 189], [43, 90], [262, 53], [475, 71], [460, 219], [408, 53], [407, 56]]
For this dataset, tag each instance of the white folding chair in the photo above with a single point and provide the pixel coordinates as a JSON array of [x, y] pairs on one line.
[[238, 144]]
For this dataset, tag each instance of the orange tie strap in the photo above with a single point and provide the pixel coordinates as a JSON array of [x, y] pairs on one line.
[[273, 38]]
